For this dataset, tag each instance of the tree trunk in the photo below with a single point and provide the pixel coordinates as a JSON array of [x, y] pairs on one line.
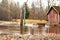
[[21, 23]]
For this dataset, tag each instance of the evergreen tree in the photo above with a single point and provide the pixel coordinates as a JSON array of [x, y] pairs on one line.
[[26, 11]]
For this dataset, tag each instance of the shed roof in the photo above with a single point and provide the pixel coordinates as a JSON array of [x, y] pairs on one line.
[[56, 8]]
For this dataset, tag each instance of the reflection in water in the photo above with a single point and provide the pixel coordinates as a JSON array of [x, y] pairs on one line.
[[44, 29]]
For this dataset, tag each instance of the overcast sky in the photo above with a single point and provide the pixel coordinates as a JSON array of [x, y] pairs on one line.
[[29, 2], [44, 2], [22, 2]]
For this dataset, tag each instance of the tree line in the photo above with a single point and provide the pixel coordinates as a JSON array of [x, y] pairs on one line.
[[9, 11]]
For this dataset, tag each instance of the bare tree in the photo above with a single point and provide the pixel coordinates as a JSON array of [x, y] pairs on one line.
[[33, 9], [21, 23], [50, 3], [25, 15]]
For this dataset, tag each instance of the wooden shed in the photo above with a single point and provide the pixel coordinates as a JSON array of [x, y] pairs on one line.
[[54, 14], [54, 18]]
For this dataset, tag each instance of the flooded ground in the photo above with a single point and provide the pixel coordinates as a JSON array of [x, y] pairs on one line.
[[11, 31]]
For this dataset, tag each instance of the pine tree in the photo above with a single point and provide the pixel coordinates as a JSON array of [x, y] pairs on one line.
[[26, 11]]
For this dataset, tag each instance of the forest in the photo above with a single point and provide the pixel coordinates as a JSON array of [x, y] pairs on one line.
[[12, 10]]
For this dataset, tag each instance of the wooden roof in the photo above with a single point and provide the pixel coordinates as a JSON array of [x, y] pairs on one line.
[[56, 8]]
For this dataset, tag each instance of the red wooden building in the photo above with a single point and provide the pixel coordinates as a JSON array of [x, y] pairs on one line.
[[53, 14], [54, 19]]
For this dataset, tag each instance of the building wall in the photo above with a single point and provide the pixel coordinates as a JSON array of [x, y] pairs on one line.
[[53, 29], [53, 17]]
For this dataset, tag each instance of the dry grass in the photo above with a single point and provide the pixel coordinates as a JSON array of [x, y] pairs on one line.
[[33, 37]]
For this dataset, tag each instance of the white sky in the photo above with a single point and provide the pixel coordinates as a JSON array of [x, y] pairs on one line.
[[44, 2], [30, 2], [22, 2]]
